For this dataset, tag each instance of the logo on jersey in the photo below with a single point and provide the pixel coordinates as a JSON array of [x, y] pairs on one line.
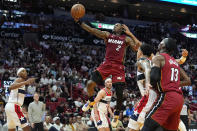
[[119, 78], [173, 62], [113, 41]]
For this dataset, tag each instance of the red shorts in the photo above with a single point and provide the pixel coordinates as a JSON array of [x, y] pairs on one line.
[[167, 110], [108, 68]]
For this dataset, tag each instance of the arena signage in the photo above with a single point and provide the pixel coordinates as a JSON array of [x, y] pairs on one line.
[[190, 35], [62, 38], [72, 39], [9, 34], [103, 26]]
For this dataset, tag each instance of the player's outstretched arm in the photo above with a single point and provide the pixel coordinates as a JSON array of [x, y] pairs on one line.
[[183, 57], [19, 82], [94, 31], [136, 43], [185, 80]]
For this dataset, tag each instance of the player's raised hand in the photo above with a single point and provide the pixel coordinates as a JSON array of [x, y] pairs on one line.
[[184, 52], [126, 29]]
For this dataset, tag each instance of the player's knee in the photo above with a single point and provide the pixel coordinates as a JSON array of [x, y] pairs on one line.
[[96, 77], [91, 83], [119, 87], [150, 125]]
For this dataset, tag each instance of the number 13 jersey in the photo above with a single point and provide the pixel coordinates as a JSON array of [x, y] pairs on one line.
[[170, 75]]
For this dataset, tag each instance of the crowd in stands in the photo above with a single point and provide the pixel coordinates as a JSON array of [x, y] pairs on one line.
[[62, 69]]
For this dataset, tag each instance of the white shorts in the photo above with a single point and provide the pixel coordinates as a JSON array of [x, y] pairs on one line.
[[151, 99], [134, 124], [15, 117], [103, 118]]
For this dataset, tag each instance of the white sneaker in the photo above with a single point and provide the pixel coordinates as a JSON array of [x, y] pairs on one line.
[[86, 107]]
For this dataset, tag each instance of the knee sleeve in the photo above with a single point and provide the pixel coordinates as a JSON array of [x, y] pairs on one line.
[[96, 77], [119, 87]]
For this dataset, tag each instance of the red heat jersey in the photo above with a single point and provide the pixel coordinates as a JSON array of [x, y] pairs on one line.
[[170, 75], [115, 48]]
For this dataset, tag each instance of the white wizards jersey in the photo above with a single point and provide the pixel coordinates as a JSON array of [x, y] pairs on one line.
[[103, 103], [141, 78], [17, 96]]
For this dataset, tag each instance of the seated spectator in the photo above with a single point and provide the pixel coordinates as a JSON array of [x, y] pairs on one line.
[[57, 123], [44, 80], [78, 102], [71, 126], [125, 121], [118, 127], [130, 110], [80, 125], [52, 80], [47, 123]]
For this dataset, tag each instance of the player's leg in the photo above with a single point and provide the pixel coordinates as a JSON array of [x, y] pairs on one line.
[[176, 105], [119, 87], [96, 78], [10, 114], [157, 116], [182, 126], [134, 125], [150, 125], [152, 97], [101, 73], [118, 79]]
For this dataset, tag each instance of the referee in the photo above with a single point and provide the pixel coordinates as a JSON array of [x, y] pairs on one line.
[[35, 112]]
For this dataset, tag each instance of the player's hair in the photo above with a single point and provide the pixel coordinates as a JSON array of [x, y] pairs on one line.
[[107, 79], [170, 45], [146, 49], [19, 70]]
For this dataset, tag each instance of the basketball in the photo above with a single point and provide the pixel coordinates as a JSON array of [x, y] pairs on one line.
[[77, 11]]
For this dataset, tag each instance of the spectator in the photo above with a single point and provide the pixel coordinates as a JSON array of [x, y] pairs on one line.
[[71, 126], [57, 123], [125, 121], [81, 126], [118, 127], [78, 102], [47, 124], [35, 112], [130, 110]]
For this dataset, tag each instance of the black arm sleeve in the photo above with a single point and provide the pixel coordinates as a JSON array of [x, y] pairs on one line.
[[155, 76]]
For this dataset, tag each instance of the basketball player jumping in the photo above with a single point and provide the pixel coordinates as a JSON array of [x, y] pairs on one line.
[[116, 44], [102, 107], [167, 78], [15, 116]]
